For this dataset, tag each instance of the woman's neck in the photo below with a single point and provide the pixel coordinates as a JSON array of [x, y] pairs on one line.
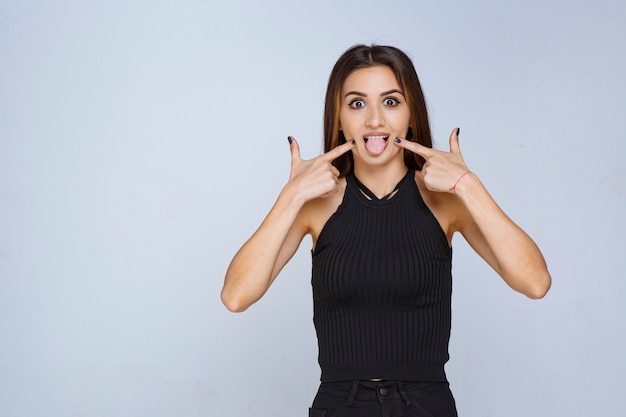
[[380, 179]]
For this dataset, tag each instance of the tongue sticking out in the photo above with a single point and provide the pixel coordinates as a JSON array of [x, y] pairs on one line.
[[375, 145]]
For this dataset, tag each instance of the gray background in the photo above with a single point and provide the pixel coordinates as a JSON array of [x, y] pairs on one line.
[[142, 142]]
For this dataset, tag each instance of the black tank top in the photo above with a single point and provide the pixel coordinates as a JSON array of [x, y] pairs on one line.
[[382, 287]]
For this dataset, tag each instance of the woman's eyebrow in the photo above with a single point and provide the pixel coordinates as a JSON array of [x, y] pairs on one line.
[[394, 90], [356, 93], [384, 93]]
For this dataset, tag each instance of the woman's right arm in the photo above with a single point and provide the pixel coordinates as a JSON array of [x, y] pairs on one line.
[[262, 257], [257, 263]]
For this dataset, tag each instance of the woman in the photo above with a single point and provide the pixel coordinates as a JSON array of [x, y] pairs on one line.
[[381, 207]]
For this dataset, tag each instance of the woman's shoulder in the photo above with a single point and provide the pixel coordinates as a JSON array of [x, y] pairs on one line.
[[446, 207], [315, 213]]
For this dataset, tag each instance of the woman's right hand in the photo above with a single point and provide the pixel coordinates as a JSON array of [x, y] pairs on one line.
[[260, 259], [317, 177]]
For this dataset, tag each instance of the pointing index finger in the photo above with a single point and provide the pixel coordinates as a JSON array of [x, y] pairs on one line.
[[415, 147], [338, 151]]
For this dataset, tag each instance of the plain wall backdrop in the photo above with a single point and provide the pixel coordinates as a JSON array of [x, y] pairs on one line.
[[142, 142]]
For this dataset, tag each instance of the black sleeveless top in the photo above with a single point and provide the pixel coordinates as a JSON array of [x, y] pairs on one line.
[[382, 287]]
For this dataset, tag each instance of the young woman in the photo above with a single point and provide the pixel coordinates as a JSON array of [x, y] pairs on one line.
[[381, 207]]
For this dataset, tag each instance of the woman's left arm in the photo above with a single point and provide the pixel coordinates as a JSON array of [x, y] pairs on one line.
[[488, 230], [498, 240]]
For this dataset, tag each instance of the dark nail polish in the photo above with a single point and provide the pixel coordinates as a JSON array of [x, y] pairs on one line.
[[289, 139], [397, 140], [354, 142], [458, 130]]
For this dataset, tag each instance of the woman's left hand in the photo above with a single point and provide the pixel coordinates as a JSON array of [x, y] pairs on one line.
[[442, 170]]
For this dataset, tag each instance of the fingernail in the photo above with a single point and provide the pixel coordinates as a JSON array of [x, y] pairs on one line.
[[458, 130], [289, 139], [397, 140], [354, 142]]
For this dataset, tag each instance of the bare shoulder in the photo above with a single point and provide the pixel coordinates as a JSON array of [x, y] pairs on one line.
[[447, 208], [315, 213]]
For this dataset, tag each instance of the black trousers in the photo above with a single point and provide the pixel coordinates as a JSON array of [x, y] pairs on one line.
[[383, 399]]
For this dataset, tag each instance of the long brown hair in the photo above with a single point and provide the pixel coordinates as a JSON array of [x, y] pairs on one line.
[[364, 56]]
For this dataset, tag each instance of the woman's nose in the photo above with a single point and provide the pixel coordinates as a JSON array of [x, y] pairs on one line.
[[375, 117]]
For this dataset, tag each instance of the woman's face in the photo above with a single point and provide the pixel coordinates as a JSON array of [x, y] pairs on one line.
[[373, 113]]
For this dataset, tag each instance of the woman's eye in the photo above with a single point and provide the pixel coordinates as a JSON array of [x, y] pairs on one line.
[[390, 101], [357, 104]]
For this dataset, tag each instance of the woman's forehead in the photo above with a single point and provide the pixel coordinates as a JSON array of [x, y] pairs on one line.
[[371, 80]]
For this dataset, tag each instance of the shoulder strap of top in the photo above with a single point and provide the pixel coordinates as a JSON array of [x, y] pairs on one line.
[[352, 179]]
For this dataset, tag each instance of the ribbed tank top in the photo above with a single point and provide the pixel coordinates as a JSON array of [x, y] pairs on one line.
[[382, 287]]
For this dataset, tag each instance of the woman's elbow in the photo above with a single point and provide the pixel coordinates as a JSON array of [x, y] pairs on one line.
[[540, 287], [234, 304]]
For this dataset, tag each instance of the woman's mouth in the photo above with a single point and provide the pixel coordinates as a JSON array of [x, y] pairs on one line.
[[376, 144]]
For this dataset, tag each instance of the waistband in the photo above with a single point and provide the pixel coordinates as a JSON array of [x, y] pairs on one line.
[[380, 390]]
